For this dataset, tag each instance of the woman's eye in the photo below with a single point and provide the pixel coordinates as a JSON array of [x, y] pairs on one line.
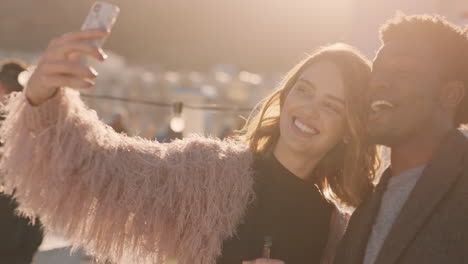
[[301, 89], [332, 107]]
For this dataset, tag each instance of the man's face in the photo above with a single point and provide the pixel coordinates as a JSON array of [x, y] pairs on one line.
[[403, 91]]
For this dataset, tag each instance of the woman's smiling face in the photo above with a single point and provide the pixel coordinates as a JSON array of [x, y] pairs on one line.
[[312, 119]]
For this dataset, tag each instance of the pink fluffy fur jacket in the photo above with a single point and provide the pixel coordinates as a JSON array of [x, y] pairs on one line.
[[128, 199]]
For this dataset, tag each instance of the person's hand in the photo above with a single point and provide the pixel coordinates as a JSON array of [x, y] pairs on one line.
[[264, 261], [60, 66]]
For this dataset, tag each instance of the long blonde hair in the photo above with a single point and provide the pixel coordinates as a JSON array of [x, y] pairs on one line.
[[346, 172]]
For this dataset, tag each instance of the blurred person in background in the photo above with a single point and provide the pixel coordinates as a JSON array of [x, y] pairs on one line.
[[271, 193], [9, 72], [119, 121], [20, 238], [419, 100]]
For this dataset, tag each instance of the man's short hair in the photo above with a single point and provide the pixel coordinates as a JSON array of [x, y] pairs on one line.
[[10, 69], [450, 43]]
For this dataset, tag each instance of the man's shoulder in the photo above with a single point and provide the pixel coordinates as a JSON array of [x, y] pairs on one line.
[[455, 144], [459, 151]]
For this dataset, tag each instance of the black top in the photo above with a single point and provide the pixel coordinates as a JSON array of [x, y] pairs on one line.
[[288, 209], [19, 239]]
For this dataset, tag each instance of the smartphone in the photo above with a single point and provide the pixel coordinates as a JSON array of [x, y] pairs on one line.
[[101, 16]]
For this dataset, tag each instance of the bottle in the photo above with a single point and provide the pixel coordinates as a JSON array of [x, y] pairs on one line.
[[268, 243]]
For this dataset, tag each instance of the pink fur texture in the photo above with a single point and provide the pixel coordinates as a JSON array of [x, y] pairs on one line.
[[124, 198]]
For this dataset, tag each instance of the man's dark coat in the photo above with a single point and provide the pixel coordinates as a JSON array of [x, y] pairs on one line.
[[432, 226]]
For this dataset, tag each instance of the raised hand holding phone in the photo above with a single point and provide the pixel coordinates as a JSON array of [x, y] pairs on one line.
[[60, 65]]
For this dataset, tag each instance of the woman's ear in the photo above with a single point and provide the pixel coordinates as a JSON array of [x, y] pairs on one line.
[[452, 94]]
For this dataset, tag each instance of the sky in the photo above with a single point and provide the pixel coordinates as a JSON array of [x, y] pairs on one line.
[[256, 35]]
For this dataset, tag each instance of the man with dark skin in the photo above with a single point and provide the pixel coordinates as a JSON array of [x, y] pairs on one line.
[[418, 212]]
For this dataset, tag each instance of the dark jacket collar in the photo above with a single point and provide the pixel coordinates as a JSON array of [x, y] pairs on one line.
[[438, 177]]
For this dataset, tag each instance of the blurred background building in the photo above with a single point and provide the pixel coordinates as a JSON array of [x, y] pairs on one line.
[[204, 52]]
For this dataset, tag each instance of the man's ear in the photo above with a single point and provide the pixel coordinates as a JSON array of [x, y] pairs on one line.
[[452, 94]]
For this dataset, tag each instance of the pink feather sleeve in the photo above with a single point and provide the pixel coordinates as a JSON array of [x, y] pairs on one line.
[[123, 198]]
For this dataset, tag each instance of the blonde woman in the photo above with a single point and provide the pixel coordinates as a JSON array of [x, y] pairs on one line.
[[197, 200]]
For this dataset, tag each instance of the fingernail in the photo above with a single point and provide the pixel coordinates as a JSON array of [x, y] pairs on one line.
[[93, 71], [103, 54], [90, 83]]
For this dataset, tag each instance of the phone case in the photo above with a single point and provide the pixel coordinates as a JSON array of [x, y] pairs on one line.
[[101, 16]]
